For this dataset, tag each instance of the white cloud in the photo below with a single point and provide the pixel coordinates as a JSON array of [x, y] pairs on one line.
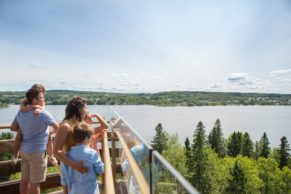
[[280, 73]]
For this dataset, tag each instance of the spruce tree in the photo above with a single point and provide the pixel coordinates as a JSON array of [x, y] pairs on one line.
[[247, 145], [188, 154], [240, 137], [264, 144], [284, 152], [234, 144], [160, 139], [216, 140], [199, 178], [237, 183], [257, 150]]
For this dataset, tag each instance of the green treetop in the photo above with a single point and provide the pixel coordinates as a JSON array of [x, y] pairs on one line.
[[234, 145], [247, 145], [198, 161], [160, 139], [283, 152], [216, 140], [264, 144], [237, 183]]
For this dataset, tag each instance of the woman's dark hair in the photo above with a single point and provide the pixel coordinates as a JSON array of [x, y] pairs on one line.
[[73, 108]]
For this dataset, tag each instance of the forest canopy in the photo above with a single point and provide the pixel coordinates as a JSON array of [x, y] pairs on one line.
[[173, 98]]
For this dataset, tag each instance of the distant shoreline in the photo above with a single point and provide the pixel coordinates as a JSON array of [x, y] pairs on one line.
[[163, 99]]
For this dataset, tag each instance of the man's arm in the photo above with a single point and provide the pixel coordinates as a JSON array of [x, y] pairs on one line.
[[14, 127], [55, 126]]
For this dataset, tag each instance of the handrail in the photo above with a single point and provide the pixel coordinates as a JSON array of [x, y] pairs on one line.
[[108, 182], [143, 186], [5, 126]]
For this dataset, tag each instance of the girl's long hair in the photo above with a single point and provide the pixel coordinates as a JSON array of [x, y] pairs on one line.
[[74, 107]]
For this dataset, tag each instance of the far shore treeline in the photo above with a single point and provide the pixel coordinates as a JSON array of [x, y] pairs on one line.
[[173, 98]]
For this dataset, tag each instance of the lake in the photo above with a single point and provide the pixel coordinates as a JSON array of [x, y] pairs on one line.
[[274, 120]]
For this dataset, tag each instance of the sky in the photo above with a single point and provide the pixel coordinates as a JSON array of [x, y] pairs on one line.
[[146, 46]]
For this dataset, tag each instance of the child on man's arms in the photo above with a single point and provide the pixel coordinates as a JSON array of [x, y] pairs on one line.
[[25, 107]]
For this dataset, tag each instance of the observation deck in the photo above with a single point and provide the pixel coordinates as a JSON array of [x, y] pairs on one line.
[[131, 165]]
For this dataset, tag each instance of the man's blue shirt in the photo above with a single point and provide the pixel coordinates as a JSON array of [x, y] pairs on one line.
[[34, 129]]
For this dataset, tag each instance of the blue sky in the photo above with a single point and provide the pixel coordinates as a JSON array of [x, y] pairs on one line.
[[146, 46]]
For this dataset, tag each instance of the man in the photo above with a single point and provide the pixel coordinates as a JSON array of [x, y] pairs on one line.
[[34, 129]]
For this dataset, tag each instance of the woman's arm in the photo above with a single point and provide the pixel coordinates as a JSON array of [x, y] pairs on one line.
[[60, 139], [102, 122]]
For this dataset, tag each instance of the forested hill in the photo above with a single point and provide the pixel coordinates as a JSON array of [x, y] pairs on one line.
[[181, 98]]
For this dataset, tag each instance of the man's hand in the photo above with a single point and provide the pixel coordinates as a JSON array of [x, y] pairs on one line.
[[78, 166]]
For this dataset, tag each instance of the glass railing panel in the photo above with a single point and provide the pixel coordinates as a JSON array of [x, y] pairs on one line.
[[166, 179], [161, 177], [128, 177], [139, 149]]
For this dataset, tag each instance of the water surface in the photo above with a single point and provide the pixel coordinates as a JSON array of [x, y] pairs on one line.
[[274, 120]]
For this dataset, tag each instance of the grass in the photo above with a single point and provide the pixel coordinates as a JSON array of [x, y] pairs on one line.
[[51, 190], [51, 169], [6, 135], [6, 156]]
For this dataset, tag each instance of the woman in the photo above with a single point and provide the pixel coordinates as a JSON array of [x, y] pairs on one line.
[[76, 112]]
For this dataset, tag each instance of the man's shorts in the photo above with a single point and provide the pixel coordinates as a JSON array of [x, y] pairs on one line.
[[33, 166]]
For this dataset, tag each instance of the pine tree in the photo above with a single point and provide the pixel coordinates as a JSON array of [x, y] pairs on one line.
[[216, 140], [160, 139], [247, 145], [199, 178], [264, 144], [188, 154], [284, 152], [237, 184]]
